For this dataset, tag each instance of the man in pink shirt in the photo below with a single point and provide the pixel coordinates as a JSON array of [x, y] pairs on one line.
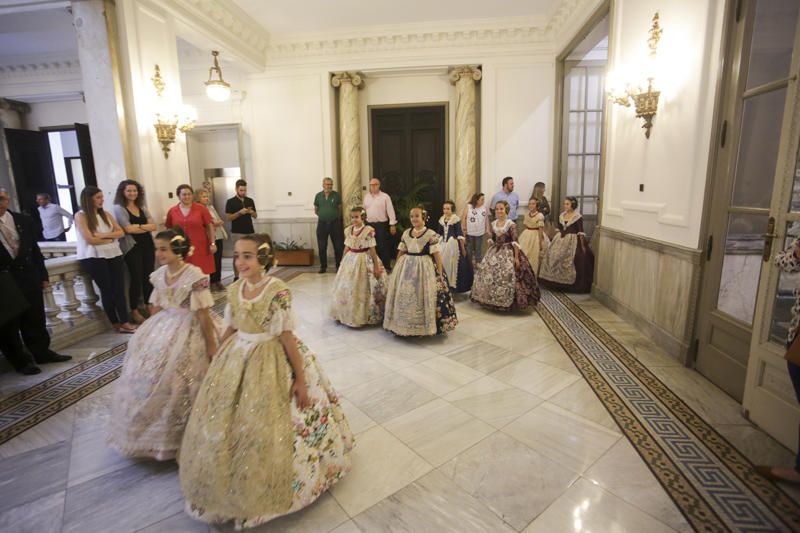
[[380, 215]]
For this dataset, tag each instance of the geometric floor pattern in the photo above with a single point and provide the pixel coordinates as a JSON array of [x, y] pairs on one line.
[[713, 484], [488, 428]]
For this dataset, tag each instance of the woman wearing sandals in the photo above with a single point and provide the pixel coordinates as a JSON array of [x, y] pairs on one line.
[[100, 255]]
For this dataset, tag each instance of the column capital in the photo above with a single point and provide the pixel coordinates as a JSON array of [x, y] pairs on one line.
[[465, 71], [354, 78]]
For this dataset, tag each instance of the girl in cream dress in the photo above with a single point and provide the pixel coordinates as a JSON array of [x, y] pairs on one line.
[[419, 302], [167, 357], [359, 290], [267, 435], [533, 240]]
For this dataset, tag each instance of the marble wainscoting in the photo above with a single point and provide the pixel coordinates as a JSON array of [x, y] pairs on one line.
[[652, 284]]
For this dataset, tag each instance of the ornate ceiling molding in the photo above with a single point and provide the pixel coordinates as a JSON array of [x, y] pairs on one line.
[[40, 64], [226, 23], [492, 36]]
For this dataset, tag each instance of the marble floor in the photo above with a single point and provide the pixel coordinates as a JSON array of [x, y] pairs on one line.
[[490, 428]]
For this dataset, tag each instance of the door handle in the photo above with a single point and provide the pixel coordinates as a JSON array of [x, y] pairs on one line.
[[769, 237]]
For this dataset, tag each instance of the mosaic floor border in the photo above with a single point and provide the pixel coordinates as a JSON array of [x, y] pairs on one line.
[[711, 482]]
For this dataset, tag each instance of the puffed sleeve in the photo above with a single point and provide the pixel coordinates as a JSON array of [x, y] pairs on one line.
[[787, 260], [349, 240], [369, 238], [402, 246], [434, 240], [157, 296], [201, 295], [281, 318]]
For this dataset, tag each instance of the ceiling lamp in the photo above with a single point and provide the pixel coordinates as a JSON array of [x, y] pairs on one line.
[[218, 90]]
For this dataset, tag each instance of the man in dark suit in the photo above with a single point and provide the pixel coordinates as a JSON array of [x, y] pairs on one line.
[[23, 335]]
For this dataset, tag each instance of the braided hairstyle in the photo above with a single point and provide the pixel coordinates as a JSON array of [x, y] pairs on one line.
[[178, 241], [265, 250]]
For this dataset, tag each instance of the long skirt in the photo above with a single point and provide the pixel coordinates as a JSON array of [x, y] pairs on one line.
[[534, 247], [501, 285], [568, 264], [163, 369], [457, 267], [249, 454], [358, 296]]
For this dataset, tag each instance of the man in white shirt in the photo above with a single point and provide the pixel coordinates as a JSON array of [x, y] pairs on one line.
[[53, 216], [380, 215]]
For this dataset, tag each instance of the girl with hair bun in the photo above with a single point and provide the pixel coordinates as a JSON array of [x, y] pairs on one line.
[[359, 290], [455, 259], [505, 279], [267, 435], [419, 302], [167, 357], [568, 264]]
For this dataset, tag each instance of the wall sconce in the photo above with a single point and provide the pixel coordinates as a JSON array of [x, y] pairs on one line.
[[645, 101], [218, 90], [168, 123]]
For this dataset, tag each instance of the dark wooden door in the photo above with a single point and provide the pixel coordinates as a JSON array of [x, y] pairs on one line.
[[87, 158], [408, 155], [32, 165]]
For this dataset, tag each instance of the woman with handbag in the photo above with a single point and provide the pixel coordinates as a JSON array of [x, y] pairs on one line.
[[789, 261]]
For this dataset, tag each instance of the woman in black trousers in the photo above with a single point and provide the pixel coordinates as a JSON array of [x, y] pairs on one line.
[[137, 245]]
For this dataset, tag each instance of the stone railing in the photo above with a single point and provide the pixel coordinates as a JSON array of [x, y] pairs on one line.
[[70, 303], [57, 249]]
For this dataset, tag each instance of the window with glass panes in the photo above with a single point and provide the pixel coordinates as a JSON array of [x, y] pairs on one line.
[[583, 126]]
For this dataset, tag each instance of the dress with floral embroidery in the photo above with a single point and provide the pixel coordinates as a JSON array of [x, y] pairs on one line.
[[500, 284], [418, 301], [568, 264], [164, 366], [358, 297], [249, 454]]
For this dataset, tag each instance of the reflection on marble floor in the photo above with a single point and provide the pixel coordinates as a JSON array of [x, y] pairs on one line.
[[487, 429]]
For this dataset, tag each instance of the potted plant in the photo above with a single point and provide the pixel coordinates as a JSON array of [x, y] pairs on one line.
[[293, 253]]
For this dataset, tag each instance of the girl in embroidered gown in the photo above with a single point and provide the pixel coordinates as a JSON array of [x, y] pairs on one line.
[[267, 435], [504, 280], [532, 240], [455, 261], [359, 290], [569, 262], [167, 357], [418, 301]]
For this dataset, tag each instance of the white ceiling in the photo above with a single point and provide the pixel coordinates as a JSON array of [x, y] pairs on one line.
[[47, 31], [291, 16]]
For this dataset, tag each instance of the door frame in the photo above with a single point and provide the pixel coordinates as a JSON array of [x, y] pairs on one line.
[[606, 8], [446, 105], [770, 418]]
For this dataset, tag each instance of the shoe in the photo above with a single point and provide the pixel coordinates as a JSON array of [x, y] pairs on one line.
[[29, 370], [52, 357], [126, 328], [322, 270]]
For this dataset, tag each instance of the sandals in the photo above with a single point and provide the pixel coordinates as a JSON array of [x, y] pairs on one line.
[[766, 471]]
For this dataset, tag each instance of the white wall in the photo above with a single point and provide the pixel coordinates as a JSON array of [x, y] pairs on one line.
[[217, 148], [673, 163], [62, 113]]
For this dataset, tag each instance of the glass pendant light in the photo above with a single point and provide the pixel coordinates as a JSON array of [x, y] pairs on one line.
[[217, 89]]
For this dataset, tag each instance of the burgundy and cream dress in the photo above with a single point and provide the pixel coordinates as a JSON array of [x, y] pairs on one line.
[[568, 264]]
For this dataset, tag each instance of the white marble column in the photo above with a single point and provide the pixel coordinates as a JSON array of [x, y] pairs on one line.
[[465, 79], [348, 84], [104, 107]]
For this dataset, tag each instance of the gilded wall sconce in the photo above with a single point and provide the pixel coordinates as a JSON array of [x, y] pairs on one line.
[[167, 123], [644, 100]]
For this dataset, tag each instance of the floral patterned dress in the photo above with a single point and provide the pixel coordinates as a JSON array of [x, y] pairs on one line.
[[568, 264], [358, 296], [418, 301], [249, 454], [163, 369], [457, 267], [499, 283], [533, 240]]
